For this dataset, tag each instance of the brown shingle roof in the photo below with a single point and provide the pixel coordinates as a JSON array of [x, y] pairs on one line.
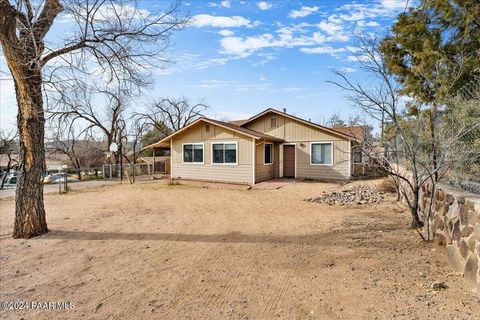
[[239, 122]]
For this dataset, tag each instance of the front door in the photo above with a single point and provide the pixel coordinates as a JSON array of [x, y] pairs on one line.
[[289, 161]]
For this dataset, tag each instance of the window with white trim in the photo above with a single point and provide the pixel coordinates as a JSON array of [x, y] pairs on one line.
[[193, 153], [268, 153], [321, 153], [224, 153]]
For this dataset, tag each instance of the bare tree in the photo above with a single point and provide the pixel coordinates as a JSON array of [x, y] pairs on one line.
[[64, 141], [115, 35], [81, 148], [8, 147], [168, 115], [98, 110], [381, 101], [404, 154]]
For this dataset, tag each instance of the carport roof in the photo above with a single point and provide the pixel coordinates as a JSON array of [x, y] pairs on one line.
[[165, 142]]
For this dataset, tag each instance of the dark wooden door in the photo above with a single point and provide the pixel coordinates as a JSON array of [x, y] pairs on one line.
[[289, 161]]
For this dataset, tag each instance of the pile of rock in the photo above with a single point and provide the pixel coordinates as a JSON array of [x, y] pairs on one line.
[[355, 195]]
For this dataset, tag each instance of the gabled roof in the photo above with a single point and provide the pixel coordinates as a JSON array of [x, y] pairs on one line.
[[314, 125], [226, 125]]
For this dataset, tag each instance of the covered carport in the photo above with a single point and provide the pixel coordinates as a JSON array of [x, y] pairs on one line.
[[160, 160]]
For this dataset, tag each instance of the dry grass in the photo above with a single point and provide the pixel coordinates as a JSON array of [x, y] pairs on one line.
[[387, 185]]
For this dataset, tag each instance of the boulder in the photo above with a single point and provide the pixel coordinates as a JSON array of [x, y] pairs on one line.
[[473, 217], [461, 200], [466, 231], [448, 237], [463, 248], [464, 210], [470, 242], [449, 198], [440, 239], [456, 235], [453, 210], [476, 231], [443, 209], [455, 258], [471, 268], [440, 195]]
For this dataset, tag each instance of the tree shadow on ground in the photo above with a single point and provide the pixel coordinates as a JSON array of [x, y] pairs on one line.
[[374, 234]]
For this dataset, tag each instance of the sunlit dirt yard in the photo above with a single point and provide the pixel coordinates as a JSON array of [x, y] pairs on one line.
[[159, 251]]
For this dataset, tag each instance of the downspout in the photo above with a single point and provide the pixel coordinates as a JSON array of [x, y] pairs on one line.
[[171, 160], [254, 164]]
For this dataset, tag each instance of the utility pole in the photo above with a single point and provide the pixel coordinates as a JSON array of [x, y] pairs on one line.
[[121, 162]]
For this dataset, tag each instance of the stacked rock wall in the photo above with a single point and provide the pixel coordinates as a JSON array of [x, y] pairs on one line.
[[454, 222]]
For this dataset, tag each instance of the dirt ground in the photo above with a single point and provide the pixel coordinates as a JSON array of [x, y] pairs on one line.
[[155, 251]]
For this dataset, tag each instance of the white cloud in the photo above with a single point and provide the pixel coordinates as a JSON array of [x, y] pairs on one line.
[[225, 4], [263, 5], [286, 37], [362, 24], [347, 70], [330, 28], [395, 4], [246, 46], [356, 58], [205, 20], [222, 4], [334, 52], [323, 50], [303, 12], [226, 33]]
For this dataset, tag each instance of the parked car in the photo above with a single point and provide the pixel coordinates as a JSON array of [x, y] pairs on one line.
[[59, 178], [10, 181]]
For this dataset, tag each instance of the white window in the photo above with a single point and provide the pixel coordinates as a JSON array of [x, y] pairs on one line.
[[224, 153], [321, 153], [268, 153], [193, 153]]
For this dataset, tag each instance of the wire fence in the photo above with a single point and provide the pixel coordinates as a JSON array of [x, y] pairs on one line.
[[113, 172]]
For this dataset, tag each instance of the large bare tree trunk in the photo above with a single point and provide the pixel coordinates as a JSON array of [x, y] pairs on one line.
[[29, 210]]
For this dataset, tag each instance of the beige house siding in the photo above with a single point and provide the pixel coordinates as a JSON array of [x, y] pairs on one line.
[[266, 171], [242, 172], [338, 171], [293, 131], [289, 129]]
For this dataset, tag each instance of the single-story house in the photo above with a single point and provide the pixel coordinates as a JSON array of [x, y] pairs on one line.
[[269, 145]]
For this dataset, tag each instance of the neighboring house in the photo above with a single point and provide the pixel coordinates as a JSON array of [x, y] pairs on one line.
[[269, 145]]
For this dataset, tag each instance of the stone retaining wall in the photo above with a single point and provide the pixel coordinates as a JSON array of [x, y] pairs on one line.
[[454, 223]]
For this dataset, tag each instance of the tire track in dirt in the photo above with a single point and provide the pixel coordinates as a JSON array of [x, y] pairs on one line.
[[289, 283], [116, 296], [222, 298], [201, 288], [278, 295]]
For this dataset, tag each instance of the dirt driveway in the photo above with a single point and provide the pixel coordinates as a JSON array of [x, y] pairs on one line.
[[154, 251]]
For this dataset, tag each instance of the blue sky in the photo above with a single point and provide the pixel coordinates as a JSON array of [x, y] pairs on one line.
[[240, 57]]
